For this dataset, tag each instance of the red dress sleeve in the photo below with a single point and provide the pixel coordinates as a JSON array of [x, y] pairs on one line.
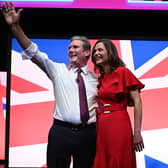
[[131, 81], [125, 80], [116, 85]]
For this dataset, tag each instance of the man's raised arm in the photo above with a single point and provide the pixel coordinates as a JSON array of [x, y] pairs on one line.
[[12, 18]]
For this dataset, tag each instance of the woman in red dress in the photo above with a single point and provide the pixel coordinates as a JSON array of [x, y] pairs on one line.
[[118, 88]]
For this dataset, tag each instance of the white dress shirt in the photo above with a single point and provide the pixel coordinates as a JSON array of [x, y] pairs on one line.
[[65, 86]]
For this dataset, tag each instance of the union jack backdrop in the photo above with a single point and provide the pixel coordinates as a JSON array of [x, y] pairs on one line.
[[32, 100]]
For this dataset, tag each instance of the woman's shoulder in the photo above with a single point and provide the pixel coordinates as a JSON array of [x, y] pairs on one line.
[[122, 69]]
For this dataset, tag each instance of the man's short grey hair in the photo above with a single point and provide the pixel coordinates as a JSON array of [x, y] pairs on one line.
[[84, 39]]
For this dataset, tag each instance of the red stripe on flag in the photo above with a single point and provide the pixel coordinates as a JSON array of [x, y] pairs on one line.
[[155, 109], [30, 123], [24, 86], [156, 71]]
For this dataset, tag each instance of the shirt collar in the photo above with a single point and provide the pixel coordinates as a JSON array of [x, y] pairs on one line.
[[84, 69]]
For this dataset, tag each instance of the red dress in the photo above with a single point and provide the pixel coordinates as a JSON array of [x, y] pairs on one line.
[[114, 148]]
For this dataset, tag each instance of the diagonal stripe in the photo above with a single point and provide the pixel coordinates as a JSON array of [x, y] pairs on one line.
[[153, 163], [157, 70], [23, 86]]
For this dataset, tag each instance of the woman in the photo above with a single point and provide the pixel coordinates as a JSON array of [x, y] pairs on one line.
[[117, 89]]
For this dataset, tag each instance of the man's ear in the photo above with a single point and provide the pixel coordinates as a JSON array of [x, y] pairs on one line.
[[87, 53]]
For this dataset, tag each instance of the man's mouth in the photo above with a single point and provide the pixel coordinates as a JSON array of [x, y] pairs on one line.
[[73, 56]]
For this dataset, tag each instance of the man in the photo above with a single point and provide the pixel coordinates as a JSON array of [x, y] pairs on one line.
[[68, 136]]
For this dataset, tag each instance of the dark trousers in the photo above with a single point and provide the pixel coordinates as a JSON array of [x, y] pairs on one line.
[[66, 141]]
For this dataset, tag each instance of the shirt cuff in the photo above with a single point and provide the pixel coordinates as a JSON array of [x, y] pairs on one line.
[[30, 52]]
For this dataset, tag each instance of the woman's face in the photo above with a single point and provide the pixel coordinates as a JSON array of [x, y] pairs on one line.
[[100, 54]]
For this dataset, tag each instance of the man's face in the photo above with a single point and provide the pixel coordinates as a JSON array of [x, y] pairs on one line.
[[76, 53]]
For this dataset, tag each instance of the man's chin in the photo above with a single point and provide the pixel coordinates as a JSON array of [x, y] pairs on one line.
[[74, 64]]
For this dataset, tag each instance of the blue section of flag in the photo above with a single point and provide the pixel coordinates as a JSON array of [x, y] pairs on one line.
[[144, 50], [16, 46], [4, 106], [57, 49], [153, 163]]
